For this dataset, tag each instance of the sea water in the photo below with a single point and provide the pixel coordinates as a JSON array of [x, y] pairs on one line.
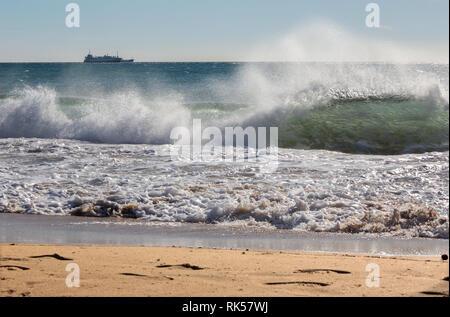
[[363, 147]]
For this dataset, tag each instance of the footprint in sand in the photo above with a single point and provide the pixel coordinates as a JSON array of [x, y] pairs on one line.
[[12, 259], [13, 267], [322, 270], [432, 293], [186, 266], [142, 275], [299, 282], [55, 256]]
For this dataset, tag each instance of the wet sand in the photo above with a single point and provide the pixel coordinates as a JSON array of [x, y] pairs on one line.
[[40, 270], [40, 229]]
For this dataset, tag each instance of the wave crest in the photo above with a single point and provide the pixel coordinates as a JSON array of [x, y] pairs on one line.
[[121, 118], [357, 108]]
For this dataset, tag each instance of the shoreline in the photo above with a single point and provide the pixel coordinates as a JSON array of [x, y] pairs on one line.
[[68, 230], [40, 270]]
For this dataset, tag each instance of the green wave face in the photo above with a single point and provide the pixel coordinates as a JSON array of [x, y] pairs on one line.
[[388, 126], [382, 125]]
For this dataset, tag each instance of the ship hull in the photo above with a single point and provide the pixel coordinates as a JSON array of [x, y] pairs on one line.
[[108, 62], [107, 59]]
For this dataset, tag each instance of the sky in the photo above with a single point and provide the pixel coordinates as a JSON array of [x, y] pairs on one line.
[[225, 30]]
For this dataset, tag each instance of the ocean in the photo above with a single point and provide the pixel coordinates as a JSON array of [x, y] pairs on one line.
[[363, 146]]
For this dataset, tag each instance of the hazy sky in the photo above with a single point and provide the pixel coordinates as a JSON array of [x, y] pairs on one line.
[[225, 30]]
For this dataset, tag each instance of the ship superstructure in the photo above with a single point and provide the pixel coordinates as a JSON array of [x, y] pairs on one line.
[[106, 59]]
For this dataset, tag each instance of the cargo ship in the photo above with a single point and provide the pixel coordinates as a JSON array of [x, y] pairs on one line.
[[105, 59]]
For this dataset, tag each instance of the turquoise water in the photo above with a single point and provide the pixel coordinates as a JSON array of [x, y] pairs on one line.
[[354, 108], [377, 127]]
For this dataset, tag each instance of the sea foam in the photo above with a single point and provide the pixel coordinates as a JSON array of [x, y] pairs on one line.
[[318, 191]]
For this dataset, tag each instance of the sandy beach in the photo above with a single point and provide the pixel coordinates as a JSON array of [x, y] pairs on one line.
[[40, 270]]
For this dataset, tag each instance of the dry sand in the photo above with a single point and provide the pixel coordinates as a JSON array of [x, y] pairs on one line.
[[135, 271]]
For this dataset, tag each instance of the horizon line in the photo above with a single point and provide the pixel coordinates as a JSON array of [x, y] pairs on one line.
[[236, 61]]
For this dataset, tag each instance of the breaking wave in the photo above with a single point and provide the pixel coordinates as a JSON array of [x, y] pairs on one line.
[[353, 108]]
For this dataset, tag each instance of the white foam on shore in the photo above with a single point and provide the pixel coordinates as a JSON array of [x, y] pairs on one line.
[[404, 195]]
